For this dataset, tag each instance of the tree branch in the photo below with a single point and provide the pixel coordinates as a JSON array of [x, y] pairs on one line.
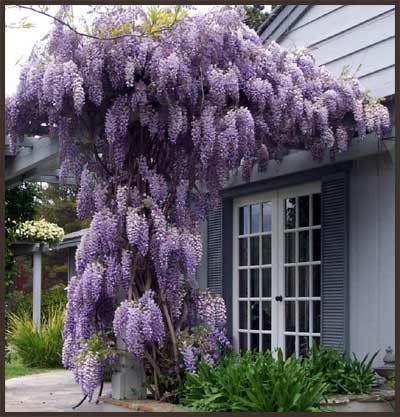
[[87, 35]]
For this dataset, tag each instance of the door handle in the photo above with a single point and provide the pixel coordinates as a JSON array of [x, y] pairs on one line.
[[279, 298]]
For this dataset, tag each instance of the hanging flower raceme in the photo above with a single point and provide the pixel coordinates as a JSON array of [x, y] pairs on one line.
[[153, 122], [137, 230], [208, 339], [210, 309], [89, 373], [140, 324]]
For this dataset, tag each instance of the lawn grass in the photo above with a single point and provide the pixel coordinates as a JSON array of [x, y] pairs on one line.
[[15, 368]]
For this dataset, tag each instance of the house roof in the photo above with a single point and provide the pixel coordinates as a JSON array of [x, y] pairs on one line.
[[37, 159], [280, 20], [270, 18], [71, 239]]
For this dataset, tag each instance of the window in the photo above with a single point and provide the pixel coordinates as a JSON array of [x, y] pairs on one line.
[[277, 264]]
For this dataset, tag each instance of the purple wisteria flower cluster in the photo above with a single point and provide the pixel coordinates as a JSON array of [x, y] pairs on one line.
[[151, 124], [140, 323], [206, 340]]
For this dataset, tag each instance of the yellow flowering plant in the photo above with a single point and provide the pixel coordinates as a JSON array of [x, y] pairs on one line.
[[39, 230]]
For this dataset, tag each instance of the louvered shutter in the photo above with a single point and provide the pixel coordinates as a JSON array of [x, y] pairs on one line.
[[214, 250], [334, 320]]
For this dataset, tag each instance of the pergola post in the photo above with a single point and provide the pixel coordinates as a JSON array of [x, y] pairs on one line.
[[37, 287]]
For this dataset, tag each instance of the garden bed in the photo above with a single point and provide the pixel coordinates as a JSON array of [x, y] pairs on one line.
[[376, 401]]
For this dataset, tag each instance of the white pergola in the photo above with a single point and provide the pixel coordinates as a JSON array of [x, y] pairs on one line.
[[36, 249], [37, 160]]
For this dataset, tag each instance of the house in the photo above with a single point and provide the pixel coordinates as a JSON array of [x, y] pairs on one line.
[[305, 251]]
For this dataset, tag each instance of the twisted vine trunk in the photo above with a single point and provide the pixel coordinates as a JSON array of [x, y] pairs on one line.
[[173, 338]]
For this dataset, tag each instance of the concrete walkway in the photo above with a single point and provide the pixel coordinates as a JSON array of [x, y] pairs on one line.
[[53, 391]]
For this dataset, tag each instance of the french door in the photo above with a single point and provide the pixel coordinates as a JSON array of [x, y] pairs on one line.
[[277, 270]]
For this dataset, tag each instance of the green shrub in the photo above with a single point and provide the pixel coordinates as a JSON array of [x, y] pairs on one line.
[[37, 349], [253, 381], [392, 380], [51, 298], [344, 375]]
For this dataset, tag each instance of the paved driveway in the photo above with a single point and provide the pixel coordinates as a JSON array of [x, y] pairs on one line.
[[51, 391]]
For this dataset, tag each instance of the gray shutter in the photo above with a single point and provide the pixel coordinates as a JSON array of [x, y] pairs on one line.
[[334, 326], [214, 250]]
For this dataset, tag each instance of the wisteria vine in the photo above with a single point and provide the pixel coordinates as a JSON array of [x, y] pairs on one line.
[[152, 125]]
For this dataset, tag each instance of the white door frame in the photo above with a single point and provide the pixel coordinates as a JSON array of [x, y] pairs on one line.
[[277, 197]]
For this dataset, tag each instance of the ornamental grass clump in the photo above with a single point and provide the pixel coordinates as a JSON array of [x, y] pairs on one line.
[[39, 231], [51, 298], [253, 381], [37, 348], [153, 110], [343, 374]]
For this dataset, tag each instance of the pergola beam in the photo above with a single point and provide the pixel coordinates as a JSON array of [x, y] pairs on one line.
[[37, 156]]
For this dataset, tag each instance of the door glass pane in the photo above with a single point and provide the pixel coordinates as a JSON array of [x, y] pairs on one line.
[[315, 341], [266, 342], [255, 218], [243, 283], [254, 283], [316, 209], [290, 213], [304, 246], [304, 272], [316, 245], [290, 281], [316, 280], [254, 315], [266, 315], [254, 341], [290, 248], [303, 345], [303, 316], [243, 341], [243, 314], [243, 251], [244, 220], [304, 211], [290, 316], [266, 282], [316, 316], [255, 250], [266, 216], [266, 249], [290, 345]]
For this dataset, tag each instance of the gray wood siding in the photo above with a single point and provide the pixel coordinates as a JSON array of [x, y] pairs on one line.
[[372, 257], [360, 37], [315, 12]]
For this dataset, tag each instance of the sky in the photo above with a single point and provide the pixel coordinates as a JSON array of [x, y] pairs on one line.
[[19, 42]]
